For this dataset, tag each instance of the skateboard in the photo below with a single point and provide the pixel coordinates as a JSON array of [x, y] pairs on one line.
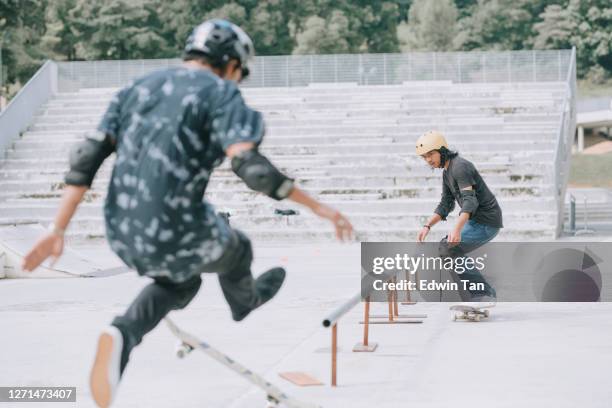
[[275, 397], [472, 313]]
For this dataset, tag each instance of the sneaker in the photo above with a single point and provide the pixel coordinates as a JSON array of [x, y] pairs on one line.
[[106, 371], [266, 286]]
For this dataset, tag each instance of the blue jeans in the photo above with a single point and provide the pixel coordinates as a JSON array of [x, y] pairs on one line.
[[475, 235]]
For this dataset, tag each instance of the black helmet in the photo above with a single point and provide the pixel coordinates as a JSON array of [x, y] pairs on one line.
[[220, 41]]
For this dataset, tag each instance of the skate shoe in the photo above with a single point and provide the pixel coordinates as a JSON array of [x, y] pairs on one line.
[[106, 371], [266, 286]]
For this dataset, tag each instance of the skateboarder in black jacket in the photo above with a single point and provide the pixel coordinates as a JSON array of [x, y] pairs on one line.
[[480, 218], [169, 130]]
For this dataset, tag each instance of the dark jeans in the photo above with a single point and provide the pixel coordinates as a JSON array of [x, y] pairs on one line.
[[160, 297]]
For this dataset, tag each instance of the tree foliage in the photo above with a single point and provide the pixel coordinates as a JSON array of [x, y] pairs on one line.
[[585, 24], [34, 30], [431, 26]]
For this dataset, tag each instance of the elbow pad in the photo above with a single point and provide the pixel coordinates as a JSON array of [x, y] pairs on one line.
[[470, 202], [86, 157], [260, 175]]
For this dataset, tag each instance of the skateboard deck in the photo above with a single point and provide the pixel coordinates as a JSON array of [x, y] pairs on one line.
[[275, 396], [472, 313]]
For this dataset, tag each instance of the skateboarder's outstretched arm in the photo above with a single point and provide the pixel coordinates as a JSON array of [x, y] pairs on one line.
[[52, 243], [86, 157], [253, 168], [344, 229]]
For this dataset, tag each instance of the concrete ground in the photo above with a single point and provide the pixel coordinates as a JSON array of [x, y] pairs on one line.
[[525, 355]]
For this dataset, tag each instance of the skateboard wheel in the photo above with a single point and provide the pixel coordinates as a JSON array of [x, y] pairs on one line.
[[182, 350], [272, 402], [486, 313], [476, 318]]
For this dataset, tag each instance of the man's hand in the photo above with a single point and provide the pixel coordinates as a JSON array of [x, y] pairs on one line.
[[344, 229], [454, 237], [51, 244], [422, 234]]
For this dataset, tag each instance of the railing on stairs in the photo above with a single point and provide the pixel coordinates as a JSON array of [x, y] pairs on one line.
[[20, 112], [565, 139]]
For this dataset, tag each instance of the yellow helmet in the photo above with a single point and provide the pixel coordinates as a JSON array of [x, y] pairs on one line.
[[431, 140]]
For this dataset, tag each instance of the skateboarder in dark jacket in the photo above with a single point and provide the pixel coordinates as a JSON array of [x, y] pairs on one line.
[[480, 218], [169, 130]]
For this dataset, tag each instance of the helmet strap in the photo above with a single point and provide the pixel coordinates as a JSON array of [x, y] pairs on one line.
[[245, 72]]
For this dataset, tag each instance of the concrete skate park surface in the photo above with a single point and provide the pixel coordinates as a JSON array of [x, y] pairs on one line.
[[525, 355]]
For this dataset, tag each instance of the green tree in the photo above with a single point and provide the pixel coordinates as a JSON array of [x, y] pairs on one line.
[[556, 29], [33, 30], [499, 24], [268, 22], [324, 36], [431, 26], [270, 27], [584, 24], [465, 7], [118, 29], [495, 25], [364, 26], [593, 37], [378, 25], [59, 41], [20, 33], [231, 11], [178, 17]]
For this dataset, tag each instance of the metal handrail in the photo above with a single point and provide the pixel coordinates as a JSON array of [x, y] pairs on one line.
[[572, 216], [20, 112], [341, 310], [567, 129]]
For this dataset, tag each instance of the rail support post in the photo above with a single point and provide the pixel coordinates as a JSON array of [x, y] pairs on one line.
[[366, 346]]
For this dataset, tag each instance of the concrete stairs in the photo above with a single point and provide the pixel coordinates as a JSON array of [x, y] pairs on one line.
[[352, 147]]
